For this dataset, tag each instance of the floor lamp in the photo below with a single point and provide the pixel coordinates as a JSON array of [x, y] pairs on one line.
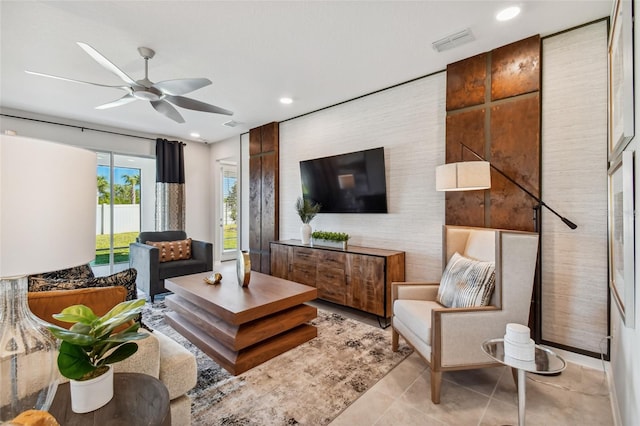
[[476, 175], [47, 222]]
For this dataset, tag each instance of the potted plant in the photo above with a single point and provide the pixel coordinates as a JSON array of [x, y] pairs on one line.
[[307, 211], [90, 346], [330, 239]]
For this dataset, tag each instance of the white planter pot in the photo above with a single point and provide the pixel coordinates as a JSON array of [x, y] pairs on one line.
[[305, 233], [89, 395], [342, 245]]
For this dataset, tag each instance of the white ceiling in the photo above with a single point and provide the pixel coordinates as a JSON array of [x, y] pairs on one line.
[[318, 52]]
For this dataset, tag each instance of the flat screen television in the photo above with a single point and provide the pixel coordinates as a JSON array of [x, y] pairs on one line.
[[346, 183]]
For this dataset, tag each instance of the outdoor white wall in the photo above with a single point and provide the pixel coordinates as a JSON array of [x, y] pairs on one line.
[[409, 122], [126, 218]]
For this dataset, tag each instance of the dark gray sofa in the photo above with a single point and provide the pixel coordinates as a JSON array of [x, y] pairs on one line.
[[152, 273]]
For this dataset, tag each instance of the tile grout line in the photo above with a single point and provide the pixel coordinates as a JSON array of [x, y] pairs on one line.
[[495, 388]]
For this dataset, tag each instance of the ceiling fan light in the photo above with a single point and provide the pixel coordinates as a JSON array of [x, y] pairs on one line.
[[147, 95]]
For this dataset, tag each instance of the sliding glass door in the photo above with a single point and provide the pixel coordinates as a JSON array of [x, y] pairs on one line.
[[228, 243], [124, 202]]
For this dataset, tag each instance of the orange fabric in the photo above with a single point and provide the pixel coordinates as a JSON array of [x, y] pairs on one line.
[[44, 304], [172, 250]]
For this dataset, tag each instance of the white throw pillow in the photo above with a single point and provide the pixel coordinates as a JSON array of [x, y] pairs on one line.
[[466, 282]]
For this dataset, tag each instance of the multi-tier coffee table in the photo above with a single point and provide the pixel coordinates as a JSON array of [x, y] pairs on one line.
[[241, 327]]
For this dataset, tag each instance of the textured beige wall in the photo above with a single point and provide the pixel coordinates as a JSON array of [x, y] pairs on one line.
[[409, 122], [574, 183]]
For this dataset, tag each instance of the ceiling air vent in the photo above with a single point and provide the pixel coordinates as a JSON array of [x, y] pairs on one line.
[[231, 123], [454, 40]]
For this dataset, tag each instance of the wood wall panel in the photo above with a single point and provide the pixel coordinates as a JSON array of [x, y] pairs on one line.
[[466, 82], [255, 141], [269, 203], [505, 132], [468, 127], [263, 194], [515, 68], [515, 149], [255, 208]]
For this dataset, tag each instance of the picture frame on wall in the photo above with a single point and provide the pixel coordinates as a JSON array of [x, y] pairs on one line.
[[621, 236], [621, 96]]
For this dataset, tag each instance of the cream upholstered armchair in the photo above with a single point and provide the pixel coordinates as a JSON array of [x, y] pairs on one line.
[[450, 338]]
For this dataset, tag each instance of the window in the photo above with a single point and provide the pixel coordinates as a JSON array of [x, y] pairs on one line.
[[122, 196]]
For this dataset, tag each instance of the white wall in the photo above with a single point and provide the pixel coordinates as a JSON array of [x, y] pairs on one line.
[[197, 166], [227, 150], [625, 343], [409, 122], [244, 192], [574, 183]]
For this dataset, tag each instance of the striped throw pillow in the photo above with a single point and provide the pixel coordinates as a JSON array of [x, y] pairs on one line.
[[466, 282]]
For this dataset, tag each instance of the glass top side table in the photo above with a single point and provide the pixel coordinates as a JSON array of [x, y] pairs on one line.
[[546, 362]]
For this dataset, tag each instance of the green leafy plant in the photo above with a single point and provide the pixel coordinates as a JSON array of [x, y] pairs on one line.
[[306, 209], [90, 344], [330, 236]]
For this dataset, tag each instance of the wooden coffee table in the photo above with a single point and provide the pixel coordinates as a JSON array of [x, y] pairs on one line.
[[241, 327]]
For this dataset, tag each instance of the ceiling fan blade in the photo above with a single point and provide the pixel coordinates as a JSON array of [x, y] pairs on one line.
[[106, 63], [122, 101], [166, 109], [181, 86], [127, 88], [189, 103]]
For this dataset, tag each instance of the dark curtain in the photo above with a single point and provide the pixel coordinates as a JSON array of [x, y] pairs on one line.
[[170, 200]]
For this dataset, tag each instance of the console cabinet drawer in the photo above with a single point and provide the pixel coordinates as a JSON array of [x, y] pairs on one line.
[[359, 277]]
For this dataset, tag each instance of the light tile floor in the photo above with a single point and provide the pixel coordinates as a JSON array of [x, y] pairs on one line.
[[578, 396]]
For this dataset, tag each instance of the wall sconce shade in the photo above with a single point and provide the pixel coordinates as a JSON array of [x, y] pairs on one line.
[[463, 176]]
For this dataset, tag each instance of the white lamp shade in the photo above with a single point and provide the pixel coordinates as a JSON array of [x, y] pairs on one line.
[[463, 176], [47, 206]]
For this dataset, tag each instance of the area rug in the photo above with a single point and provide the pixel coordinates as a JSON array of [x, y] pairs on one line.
[[308, 385]]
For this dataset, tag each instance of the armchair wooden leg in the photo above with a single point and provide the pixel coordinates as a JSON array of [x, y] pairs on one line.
[[394, 340], [436, 381]]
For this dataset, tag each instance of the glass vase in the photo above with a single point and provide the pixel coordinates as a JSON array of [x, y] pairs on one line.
[[28, 351]]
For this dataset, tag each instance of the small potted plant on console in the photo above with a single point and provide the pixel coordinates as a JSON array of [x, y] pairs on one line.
[[330, 239], [307, 210], [90, 345]]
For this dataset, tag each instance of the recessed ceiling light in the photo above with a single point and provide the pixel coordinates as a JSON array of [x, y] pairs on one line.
[[286, 101], [195, 135], [508, 13]]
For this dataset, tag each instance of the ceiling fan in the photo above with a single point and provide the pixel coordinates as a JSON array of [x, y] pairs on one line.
[[161, 95]]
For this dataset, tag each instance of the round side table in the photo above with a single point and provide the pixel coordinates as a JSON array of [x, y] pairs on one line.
[[138, 399], [546, 362]]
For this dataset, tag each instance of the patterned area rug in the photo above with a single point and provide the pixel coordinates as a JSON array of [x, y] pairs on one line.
[[308, 385]]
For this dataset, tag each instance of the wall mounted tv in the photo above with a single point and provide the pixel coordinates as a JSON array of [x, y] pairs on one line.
[[346, 183]]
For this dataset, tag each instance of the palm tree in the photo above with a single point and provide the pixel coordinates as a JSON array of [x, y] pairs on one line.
[[103, 190], [133, 181]]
